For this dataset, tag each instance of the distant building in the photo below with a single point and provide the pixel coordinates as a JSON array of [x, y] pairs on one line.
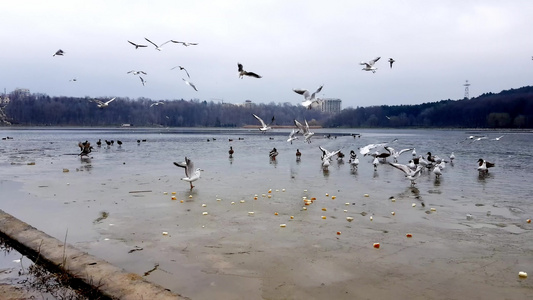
[[22, 92], [331, 105]]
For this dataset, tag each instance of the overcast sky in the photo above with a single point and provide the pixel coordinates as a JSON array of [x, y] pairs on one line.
[[437, 45]]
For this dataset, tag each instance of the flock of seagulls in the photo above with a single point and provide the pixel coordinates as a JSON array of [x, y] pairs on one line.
[[310, 99], [418, 164]]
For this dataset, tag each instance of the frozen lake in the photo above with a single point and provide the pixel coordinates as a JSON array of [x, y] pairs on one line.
[[224, 244]]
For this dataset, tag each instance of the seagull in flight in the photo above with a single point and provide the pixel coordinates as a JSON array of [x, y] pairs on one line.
[[395, 154], [157, 103], [156, 46], [191, 174], [243, 73], [304, 130], [391, 61], [142, 80], [369, 65], [310, 99], [136, 72], [366, 149], [292, 135], [190, 83], [137, 45], [409, 173], [59, 52], [327, 156], [264, 127], [185, 43], [497, 139], [182, 68], [102, 104]]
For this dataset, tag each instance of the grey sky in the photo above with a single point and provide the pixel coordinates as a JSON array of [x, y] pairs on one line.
[[437, 45]]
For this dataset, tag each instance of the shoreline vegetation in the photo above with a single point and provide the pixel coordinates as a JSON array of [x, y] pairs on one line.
[[509, 109]]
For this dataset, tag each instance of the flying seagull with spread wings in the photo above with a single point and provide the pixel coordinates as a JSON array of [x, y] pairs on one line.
[[243, 73], [59, 52], [264, 127], [186, 44], [136, 45], [156, 46], [310, 99], [102, 104], [182, 68], [369, 65]]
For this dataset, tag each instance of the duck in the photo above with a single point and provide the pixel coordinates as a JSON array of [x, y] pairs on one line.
[[273, 153], [231, 151], [298, 154]]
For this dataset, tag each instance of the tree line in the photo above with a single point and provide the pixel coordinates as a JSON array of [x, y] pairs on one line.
[[507, 109]]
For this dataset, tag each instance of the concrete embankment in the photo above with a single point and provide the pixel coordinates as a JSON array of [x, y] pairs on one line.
[[111, 281]]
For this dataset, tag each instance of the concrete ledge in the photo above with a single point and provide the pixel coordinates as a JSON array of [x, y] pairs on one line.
[[111, 281]]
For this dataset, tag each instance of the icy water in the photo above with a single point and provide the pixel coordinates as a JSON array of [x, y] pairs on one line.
[[218, 241]]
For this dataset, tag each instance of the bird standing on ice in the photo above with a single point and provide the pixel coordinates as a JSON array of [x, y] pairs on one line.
[[191, 174]]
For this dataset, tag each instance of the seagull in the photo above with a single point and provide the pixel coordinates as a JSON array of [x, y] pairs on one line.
[[191, 84], [437, 171], [142, 80], [391, 61], [137, 45], [102, 104], [304, 130], [395, 154], [409, 174], [452, 156], [245, 73], [157, 103], [292, 135], [369, 66], [59, 52], [483, 166], [264, 127], [158, 48], [414, 152], [310, 100], [327, 156], [190, 173], [366, 149], [182, 68], [375, 162], [185, 43], [497, 139], [136, 72]]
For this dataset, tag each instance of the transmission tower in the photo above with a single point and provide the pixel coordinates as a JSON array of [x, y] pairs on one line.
[[466, 85]]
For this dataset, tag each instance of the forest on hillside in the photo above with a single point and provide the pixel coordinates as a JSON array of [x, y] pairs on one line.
[[507, 109]]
